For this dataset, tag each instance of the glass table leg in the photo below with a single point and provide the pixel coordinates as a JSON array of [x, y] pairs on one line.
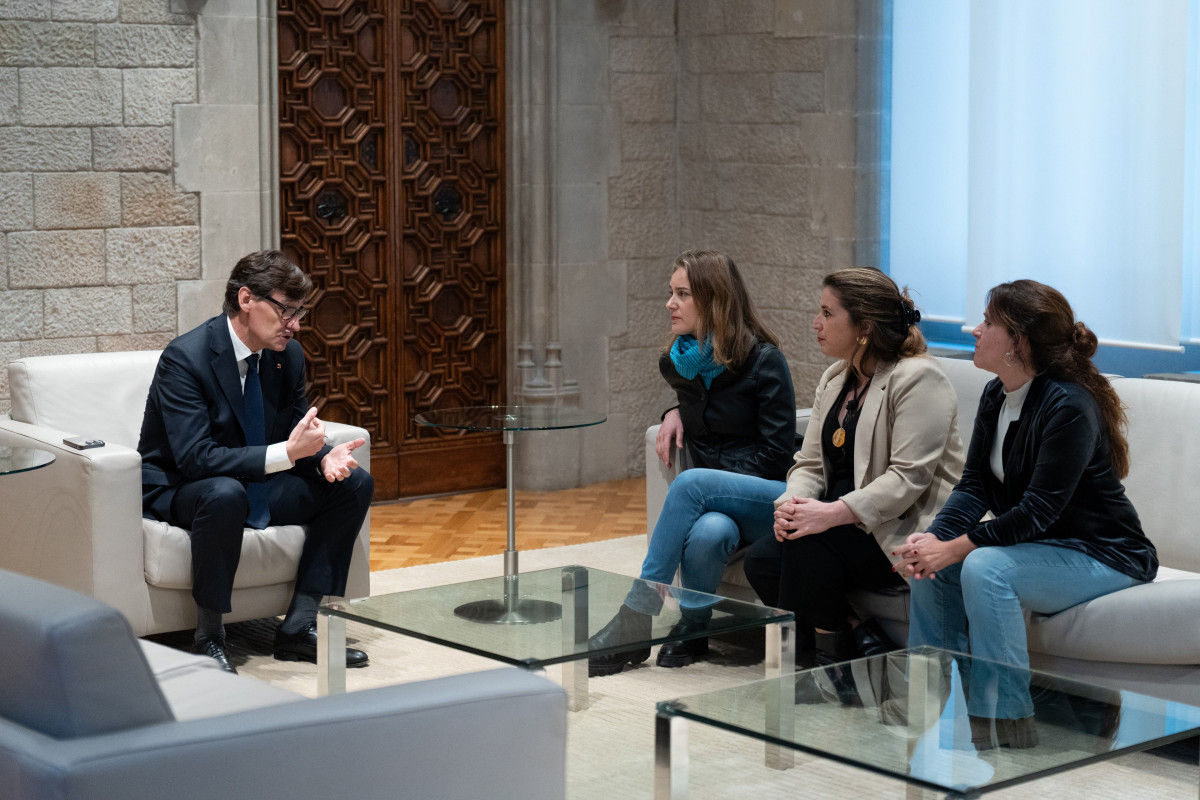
[[575, 634], [780, 705], [670, 757], [331, 655]]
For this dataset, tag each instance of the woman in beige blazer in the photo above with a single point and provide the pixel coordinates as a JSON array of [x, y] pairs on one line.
[[880, 456]]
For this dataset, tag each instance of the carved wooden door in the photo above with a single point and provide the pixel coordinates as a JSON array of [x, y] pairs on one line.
[[391, 150]]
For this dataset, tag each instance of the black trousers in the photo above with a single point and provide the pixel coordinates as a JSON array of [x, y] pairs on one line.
[[214, 511], [811, 576]]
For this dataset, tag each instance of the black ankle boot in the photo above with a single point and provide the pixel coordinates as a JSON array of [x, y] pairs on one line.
[[681, 653], [626, 627], [871, 640], [835, 679]]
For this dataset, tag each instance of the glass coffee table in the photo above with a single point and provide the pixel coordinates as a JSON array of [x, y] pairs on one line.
[[512, 608], [589, 599], [911, 723]]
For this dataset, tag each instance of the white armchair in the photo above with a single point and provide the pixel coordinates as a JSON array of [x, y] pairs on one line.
[[78, 522]]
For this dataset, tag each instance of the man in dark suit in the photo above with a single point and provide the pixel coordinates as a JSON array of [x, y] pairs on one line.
[[228, 441]]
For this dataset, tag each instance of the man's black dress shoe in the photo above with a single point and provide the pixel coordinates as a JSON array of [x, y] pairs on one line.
[[302, 646], [214, 649]]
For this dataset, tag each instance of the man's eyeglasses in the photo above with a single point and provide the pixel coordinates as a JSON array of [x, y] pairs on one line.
[[287, 313]]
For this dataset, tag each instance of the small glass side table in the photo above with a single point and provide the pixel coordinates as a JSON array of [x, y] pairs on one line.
[[23, 459], [509, 420]]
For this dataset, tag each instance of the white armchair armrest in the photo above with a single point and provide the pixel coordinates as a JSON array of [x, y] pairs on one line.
[[69, 523]]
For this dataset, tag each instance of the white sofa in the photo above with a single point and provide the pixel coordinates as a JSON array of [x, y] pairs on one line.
[[78, 522], [87, 712], [1145, 638]]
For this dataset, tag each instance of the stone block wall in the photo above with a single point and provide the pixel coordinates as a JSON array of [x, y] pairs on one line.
[[137, 163], [94, 230], [737, 123], [136, 147]]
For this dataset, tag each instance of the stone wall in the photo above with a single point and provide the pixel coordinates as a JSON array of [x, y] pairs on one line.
[[138, 162], [737, 131], [132, 156], [93, 230]]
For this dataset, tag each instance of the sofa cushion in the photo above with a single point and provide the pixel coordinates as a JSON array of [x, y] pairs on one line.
[[268, 556], [71, 665], [1165, 464], [196, 687], [101, 395], [1154, 623]]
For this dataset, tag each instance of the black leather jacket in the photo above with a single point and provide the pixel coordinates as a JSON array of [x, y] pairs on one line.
[[1059, 485], [746, 421]]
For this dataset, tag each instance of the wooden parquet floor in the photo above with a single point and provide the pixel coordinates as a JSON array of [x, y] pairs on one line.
[[406, 533]]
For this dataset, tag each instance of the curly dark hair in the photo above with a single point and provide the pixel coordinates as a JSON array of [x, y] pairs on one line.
[[1060, 347], [872, 297]]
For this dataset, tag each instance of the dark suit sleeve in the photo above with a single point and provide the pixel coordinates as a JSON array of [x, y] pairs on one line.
[[201, 429]]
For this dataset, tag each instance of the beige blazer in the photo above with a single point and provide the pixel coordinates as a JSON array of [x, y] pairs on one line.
[[907, 454]]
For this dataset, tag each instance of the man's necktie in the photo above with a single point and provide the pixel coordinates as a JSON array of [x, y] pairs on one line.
[[256, 434]]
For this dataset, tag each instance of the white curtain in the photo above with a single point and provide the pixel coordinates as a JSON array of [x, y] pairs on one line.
[[1191, 199], [928, 204], [1073, 167]]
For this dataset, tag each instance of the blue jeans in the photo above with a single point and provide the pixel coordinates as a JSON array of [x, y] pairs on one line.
[[989, 588], [707, 513]]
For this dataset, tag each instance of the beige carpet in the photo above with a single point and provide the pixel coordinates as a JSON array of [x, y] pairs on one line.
[[610, 744]]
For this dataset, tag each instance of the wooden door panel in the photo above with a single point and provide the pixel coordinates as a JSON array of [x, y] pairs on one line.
[[392, 195]]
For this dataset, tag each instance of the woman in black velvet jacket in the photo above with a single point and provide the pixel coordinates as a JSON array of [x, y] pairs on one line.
[[735, 423], [1046, 459]]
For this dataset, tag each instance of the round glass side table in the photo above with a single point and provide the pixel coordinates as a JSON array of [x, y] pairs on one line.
[[23, 459], [509, 420]]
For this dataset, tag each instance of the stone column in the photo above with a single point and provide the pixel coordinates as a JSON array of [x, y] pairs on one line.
[[533, 192], [226, 144]]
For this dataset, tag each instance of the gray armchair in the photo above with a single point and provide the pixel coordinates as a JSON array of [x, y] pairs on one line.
[[78, 522], [85, 716]]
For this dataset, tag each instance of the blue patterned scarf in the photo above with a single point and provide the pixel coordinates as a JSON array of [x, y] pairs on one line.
[[692, 358]]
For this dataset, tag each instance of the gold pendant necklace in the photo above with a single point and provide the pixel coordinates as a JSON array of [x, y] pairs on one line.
[[839, 436]]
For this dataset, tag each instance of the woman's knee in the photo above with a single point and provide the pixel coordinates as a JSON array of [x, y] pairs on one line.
[[986, 565], [762, 557], [691, 483], [713, 532]]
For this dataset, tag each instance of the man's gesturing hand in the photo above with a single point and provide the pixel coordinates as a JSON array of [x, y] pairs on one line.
[[338, 462], [307, 437]]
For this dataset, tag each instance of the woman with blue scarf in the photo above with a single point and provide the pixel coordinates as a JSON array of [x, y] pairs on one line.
[[735, 422]]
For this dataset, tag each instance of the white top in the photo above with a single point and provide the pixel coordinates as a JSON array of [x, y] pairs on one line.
[[1010, 412]]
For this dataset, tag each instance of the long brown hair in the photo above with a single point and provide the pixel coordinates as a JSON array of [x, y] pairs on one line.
[[1061, 348], [724, 308], [870, 296]]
